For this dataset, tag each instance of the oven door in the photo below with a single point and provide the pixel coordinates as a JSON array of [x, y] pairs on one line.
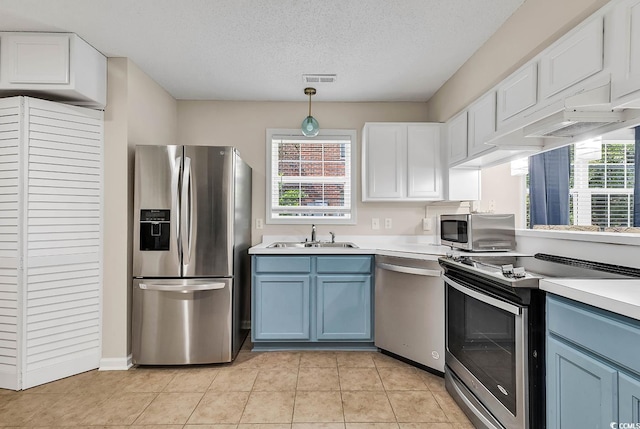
[[485, 348]]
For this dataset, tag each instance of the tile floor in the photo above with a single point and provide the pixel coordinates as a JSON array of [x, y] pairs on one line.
[[276, 390]]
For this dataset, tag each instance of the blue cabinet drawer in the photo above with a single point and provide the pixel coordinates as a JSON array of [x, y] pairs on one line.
[[344, 264], [282, 264], [607, 334]]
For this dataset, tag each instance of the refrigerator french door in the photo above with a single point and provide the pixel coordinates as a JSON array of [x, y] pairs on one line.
[[192, 211]]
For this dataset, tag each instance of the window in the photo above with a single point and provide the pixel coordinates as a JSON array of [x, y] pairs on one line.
[[601, 181], [310, 180]]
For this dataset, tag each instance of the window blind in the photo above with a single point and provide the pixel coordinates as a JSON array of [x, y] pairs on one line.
[[311, 178]]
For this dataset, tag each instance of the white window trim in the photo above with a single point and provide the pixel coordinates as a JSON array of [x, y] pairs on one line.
[[352, 134]]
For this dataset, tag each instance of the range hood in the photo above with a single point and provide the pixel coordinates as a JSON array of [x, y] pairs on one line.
[[582, 113]]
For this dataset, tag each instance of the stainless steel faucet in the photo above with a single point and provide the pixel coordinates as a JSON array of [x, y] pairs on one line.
[[313, 233]]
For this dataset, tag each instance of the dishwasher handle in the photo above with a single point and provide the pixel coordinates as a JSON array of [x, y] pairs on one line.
[[182, 288], [408, 270]]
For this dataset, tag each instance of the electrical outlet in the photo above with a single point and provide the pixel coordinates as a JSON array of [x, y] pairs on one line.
[[426, 224], [375, 223], [388, 223], [259, 224]]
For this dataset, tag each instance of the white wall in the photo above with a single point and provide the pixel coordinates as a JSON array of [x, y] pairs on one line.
[[138, 111]]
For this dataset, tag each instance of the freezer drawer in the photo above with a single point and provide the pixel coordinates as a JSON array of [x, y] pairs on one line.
[[179, 322]]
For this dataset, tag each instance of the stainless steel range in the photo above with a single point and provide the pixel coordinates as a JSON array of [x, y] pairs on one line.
[[495, 333]]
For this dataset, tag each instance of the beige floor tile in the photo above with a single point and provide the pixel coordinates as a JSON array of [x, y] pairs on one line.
[[120, 409], [219, 407], [169, 409], [264, 426], [416, 407], [70, 410], [356, 359], [269, 407], [192, 380], [359, 379], [450, 408], [223, 426], [318, 407], [269, 379], [318, 360], [142, 380], [372, 426], [281, 360], [318, 379], [238, 380], [24, 406], [367, 407], [434, 382], [401, 379], [247, 359], [317, 426], [385, 361], [429, 426]]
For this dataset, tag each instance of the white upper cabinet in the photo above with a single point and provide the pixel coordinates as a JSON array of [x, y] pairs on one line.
[[573, 59], [517, 93], [423, 161], [59, 66], [624, 43], [482, 123], [401, 162], [457, 138]]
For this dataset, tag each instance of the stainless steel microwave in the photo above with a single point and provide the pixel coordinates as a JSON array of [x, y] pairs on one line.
[[478, 232]]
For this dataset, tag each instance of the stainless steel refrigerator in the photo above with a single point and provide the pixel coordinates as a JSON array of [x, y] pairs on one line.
[[192, 226]]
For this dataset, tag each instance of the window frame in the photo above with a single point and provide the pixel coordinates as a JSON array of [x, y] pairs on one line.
[[308, 220]]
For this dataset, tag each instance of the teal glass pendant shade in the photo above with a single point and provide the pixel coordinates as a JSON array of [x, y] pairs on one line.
[[310, 126]]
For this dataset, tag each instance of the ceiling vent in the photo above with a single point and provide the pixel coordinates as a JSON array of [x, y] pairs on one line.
[[319, 78]]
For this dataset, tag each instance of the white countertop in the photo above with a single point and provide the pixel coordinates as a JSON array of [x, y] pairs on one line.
[[620, 296]]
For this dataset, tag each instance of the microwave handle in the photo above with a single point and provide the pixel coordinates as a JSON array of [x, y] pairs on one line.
[[484, 298]]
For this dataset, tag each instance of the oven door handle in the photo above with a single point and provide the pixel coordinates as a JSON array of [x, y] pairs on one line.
[[484, 298], [408, 270]]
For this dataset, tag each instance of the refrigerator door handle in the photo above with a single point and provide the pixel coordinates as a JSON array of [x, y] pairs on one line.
[[186, 212], [182, 288], [175, 201]]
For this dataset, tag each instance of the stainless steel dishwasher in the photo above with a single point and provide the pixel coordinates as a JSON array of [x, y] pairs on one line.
[[409, 310]]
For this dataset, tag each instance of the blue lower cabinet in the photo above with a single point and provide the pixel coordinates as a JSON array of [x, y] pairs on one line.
[[580, 389], [629, 398], [281, 307], [343, 307], [312, 299]]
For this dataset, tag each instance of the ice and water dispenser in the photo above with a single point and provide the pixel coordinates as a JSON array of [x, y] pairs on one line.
[[155, 226]]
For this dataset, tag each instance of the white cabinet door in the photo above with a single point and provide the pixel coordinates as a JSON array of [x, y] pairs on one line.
[[482, 123], [457, 138], [572, 60], [423, 161], [625, 47], [37, 59], [517, 93], [385, 156]]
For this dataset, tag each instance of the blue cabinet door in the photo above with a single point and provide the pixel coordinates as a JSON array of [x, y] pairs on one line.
[[281, 307], [580, 389], [343, 307], [628, 399]]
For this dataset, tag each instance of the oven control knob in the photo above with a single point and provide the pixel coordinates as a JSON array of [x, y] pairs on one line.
[[507, 270], [454, 255], [519, 272]]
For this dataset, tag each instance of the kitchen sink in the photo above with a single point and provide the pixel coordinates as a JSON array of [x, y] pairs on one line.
[[302, 244]]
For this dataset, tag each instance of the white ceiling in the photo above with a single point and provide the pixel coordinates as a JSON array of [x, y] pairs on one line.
[[381, 50]]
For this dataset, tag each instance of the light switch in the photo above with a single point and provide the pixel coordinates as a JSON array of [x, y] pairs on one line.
[[375, 223]]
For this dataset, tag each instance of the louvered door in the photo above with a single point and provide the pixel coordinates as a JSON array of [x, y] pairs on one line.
[[9, 242], [51, 189]]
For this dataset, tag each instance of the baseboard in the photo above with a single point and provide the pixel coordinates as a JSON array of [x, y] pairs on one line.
[[9, 380], [61, 369], [116, 364]]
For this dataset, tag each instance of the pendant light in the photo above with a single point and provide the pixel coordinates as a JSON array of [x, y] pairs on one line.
[[310, 126]]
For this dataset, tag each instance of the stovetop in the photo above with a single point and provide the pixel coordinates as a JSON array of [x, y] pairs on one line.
[[527, 271]]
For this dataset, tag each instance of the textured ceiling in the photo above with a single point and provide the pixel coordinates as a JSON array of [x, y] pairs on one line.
[[381, 50]]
